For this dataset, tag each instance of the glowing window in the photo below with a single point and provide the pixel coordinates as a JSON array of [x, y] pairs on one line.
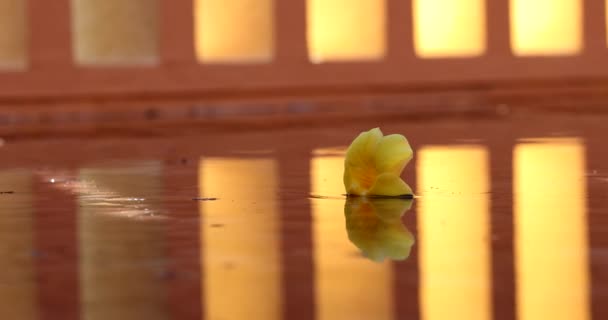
[[234, 30], [342, 275], [449, 28], [546, 27], [454, 226], [115, 32], [551, 230], [13, 52], [346, 29], [240, 240]]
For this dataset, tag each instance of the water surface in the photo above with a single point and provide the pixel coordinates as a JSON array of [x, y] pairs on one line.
[[510, 221]]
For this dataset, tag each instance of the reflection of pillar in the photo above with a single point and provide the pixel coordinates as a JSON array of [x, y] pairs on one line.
[[13, 44], [183, 245], [122, 244], [17, 280], [115, 31], [405, 286], [57, 249], [453, 226], [503, 279], [347, 286], [298, 277], [240, 239], [551, 230], [597, 158]]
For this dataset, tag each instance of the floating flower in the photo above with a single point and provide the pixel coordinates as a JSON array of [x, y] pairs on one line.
[[375, 227], [374, 163]]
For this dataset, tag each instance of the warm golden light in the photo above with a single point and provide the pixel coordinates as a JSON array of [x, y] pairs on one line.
[[13, 35], [240, 240], [453, 232], [115, 32], [122, 243], [347, 286], [346, 29], [234, 30], [546, 27], [449, 28], [18, 289], [551, 230]]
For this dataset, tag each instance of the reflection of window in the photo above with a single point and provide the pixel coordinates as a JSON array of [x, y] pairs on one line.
[[449, 28], [343, 279], [234, 30], [240, 239], [346, 29], [18, 295], [121, 242], [115, 31], [549, 192], [546, 27], [453, 225], [13, 52]]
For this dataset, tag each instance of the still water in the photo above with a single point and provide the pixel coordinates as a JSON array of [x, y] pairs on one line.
[[510, 222]]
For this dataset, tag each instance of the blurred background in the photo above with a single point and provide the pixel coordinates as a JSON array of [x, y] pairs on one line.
[[182, 159], [74, 61]]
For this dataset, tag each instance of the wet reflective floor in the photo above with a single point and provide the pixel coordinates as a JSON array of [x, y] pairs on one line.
[[510, 222]]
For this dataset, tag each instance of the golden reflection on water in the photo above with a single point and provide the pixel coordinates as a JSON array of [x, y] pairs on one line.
[[453, 225], [551, 230], [347, 286], [18, 299], [240, 239], [121, 252]]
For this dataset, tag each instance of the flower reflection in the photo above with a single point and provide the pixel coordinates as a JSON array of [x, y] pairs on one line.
[[374, 226]]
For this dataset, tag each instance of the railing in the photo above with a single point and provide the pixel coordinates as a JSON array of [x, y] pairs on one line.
[[91, 47]]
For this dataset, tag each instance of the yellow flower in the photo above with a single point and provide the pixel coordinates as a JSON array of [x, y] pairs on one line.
[[374, 163], [375, 227]]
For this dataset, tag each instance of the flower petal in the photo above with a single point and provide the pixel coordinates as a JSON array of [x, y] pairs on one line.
[[359, 164], [389, 184], [392, 154]]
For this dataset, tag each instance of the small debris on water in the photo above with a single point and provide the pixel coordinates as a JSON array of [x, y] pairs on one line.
[[7, 192], [216, 225], [204, 199]]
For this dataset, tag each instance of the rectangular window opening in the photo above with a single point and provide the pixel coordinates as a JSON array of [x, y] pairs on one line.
[[341, 30], [234, 31], [546, 27], [449, 28], [115, 32], [13, 34]]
